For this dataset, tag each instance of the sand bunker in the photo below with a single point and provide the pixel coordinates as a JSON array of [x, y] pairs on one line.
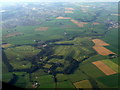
[[100, 49], [41, 29], [104, 68], [79, 24], [63, 18]]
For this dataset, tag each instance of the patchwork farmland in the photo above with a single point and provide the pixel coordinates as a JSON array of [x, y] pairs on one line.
[[60, 45]]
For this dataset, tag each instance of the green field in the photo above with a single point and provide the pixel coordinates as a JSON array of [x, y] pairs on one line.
[[22, 79], [17, 55], [45, 81], [7, 76], [104, 80], [77, 51], [76, 76], [65, 84], [112, 41]]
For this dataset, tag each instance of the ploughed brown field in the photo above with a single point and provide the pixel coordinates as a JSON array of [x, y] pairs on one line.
[[68, 11], [63, 18], [79, 24], [13, 34], [99, 42], [41, 29], [69, 8], [102, 50], [99, 47], [96, 23], [104, 68]]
